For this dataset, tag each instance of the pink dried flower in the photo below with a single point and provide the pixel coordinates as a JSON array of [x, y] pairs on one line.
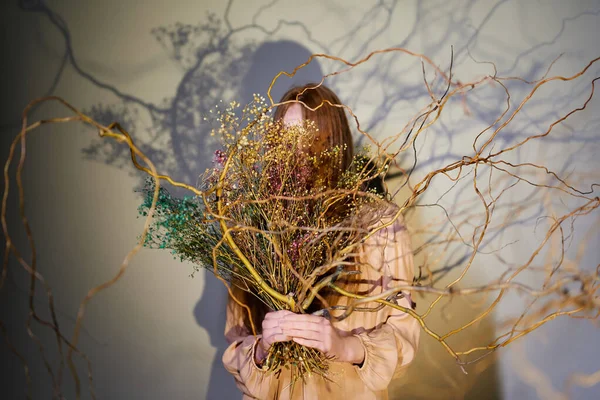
[[219, 158]]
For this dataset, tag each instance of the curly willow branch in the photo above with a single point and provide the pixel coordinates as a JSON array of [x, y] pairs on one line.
[[584, 301]]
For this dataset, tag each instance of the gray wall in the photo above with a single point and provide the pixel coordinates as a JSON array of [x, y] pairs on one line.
[[157, 333]]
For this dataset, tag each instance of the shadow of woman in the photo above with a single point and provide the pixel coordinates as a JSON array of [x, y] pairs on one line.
[[269, 59]]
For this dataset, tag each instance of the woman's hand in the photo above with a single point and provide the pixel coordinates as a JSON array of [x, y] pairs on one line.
[[317, 332], [271, 333]]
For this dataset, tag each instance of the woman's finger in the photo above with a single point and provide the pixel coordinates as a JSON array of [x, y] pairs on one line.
[[305, 318], [270, 323], [279, 338], [308, 326], [309, 343], [304, 334], [272, 331]]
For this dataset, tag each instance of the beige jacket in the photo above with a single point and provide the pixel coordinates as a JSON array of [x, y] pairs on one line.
[[390, 337]]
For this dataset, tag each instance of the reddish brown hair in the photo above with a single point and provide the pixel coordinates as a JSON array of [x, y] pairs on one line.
[[322, 106], [329, 117]]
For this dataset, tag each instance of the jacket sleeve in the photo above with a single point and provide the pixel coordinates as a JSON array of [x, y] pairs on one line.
[[238, 358], [391, 345]]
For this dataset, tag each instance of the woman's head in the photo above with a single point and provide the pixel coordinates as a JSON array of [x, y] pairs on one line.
[[328, 116]]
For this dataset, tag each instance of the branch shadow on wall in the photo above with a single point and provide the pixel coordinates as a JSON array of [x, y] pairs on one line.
[[220, 66]]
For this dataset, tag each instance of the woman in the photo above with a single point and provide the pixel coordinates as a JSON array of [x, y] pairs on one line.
[[367, 348]]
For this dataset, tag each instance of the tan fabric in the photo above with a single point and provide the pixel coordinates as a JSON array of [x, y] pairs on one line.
[[390, 337]]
